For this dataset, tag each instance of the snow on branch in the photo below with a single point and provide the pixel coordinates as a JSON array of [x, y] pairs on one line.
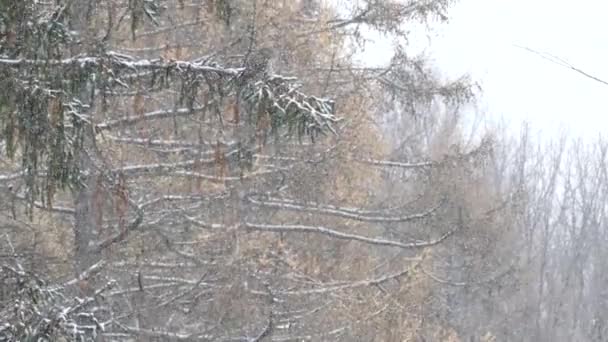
[[278, 95], [46, 207], [37, 311], [360, 283], [274, 99], [177, 144], [88, 273], [343, 236], [155, 115], [350, 213], [161, 168], [301, 113], [11, 177], [119, 61], [403, 165], [168, 335]]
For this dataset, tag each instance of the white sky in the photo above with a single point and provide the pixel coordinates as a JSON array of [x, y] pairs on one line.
[[518, 85]]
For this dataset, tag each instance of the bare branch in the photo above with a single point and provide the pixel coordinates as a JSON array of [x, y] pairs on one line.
[[155, 115], [396, 164], [343, 236], [561, 62], [119, 61], [88, 273], [360, 283], [351, 213]]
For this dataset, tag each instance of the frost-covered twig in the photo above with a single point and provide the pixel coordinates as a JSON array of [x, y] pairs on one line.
[[398, 164], [119, 61], [88, 273], [37, 310], [350, 213], [344, 236], [155, 115], [360, 283]]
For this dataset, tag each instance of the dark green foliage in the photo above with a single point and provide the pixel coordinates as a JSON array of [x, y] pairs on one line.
[[52, 78], [31, 103], [303, 115], [412, 83]]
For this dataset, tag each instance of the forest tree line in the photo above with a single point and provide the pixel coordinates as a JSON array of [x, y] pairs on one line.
[[223, 170]]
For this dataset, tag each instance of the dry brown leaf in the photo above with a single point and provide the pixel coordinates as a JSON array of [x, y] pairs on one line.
[[54, 111], [138, 105]]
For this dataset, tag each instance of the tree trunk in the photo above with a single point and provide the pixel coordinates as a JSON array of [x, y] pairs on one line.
[[85, 225]]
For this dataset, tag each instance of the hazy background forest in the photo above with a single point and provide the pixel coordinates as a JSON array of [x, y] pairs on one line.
[[228, 170]]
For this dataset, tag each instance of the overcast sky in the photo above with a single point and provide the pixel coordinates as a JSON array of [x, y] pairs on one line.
[[480, 40]]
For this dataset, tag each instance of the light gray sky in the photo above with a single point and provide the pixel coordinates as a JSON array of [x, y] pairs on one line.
[[480, 40]]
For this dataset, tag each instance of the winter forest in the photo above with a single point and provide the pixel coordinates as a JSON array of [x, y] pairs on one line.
[[225, 170]]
